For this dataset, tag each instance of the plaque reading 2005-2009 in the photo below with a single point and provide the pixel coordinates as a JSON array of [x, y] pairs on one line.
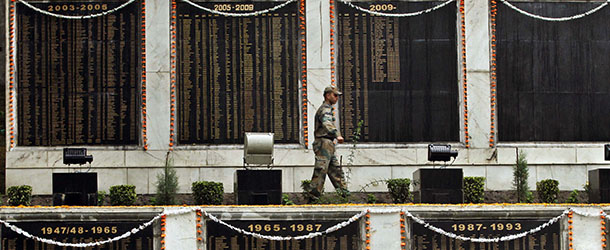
[[237, 74], [77, 80]]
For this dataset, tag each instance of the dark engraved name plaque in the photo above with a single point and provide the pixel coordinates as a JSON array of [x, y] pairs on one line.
[[398, 75], [237, 75], [546, 239], [78, 80], [77, 232], [221, 237]]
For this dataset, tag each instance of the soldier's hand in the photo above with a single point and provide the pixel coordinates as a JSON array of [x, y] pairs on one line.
[[340, 139]]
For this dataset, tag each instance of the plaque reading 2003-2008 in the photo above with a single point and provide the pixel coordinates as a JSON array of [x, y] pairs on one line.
[[78, 80]]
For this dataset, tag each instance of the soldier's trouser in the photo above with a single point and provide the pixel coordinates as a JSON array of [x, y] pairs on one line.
[[326, 163]]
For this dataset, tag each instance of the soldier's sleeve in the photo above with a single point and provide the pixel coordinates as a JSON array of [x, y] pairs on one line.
[[329, 124]]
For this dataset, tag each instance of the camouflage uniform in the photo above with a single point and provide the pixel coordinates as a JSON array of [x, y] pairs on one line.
[[324, 149]]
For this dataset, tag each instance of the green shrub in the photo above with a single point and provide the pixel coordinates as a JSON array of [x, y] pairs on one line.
[[122, 195], [167, 184], [286, 200], [474, 189], [573, 197], [548, 190], [371, 199], [207, 192], [520, 176], [399, 190], [101, 195], [19, 195]]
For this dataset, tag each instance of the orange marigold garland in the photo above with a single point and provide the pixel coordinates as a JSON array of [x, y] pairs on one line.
[[367, 228], [403, 232], [332, 43], [163, 231], [11, 100], [143, 25], [199, 228], [570, 232], [304, 71], [492, 135], [173, 77], [603, 227], [464, 68]]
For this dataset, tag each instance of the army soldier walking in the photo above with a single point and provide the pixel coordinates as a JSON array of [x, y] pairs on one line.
[[324, 147]]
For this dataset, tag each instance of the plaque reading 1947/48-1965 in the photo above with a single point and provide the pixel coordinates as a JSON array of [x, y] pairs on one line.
[[238, 74], [546, 239], [221, 237], [398, 74], [77, 232], [78, 80]]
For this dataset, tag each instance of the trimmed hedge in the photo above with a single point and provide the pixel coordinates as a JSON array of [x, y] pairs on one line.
[[399, 190], [122, 195], [548, 190], [474, 189], [207, 192], [19, 195]]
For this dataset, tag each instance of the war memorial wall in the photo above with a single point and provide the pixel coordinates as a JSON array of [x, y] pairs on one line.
[[159, 76], [302, 227]]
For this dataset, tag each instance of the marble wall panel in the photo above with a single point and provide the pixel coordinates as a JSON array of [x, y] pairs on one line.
[[479, 109], [186, 177], [140, 177], [570, 177], [148, 158], [157, 34], [26, 159], [216, 174], [590, 155], [158, 110], [41, 180]]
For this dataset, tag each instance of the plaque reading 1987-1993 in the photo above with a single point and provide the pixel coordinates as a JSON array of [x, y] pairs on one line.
[[77, 80], [237, 74], [546, 239]]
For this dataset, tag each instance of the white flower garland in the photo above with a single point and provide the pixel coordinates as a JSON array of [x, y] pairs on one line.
[[90, 244], [255, 13], [308, 236], [75, 17], [555, 19], [496, 239], [279, 238], [396, 14], [585, 214]]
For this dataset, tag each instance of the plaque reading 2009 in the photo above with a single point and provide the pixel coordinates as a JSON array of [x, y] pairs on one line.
[[237, 74], [398, 74], [77, 80]]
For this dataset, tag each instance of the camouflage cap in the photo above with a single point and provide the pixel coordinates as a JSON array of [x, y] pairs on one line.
[[332, 89]]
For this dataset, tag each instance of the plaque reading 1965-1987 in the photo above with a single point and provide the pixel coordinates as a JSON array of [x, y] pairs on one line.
[[221, 237]]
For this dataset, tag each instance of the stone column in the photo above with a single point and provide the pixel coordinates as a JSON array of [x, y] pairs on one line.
[[478, 58], [180, 231], [587, 233], [385, 231], [158, 73], [318, 57]]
